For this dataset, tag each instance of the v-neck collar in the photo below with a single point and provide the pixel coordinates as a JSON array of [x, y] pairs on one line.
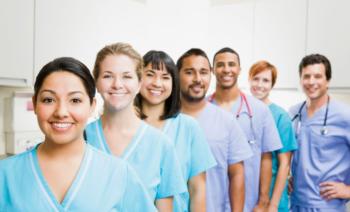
[[73, 189], [167, 125], [131, 146]]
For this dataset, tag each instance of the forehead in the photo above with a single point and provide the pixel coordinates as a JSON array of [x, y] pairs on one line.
[[118, 63], [266, 73], [226, 57], [196, 62], [62, 82], [158, 67], [314, 69]]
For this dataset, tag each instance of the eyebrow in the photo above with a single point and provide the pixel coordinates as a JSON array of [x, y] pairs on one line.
[[69, 94]]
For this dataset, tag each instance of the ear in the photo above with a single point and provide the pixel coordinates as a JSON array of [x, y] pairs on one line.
[[34, 103], [93, 106]]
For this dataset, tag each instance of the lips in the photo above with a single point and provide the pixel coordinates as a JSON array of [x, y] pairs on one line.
[[155, 92], [196, 88], [61, 126]]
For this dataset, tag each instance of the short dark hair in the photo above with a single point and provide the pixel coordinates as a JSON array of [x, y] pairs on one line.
[[67, 64], [190, 52], [160, 60], [227, 49], [316, 59]]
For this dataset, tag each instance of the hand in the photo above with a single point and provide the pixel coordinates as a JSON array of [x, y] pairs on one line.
[[260, 208], [334, 190], [272, 208], [290, 185]]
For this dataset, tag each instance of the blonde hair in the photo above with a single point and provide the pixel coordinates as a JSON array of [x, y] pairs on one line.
[[118, 49]]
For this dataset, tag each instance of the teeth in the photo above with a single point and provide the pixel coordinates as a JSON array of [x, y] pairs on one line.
[[117, 94], [61, 125], [154, 92]]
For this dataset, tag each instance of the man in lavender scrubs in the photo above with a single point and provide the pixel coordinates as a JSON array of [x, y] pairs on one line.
[[225, 181], [257, 122]]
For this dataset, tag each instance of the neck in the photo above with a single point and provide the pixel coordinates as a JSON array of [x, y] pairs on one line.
[[314, 104], [266, 101], [153, 113], [192, 108], [226, 95], [120, 120], [70, 150]]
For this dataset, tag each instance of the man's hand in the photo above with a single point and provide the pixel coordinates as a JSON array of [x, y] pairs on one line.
[[334, 190]]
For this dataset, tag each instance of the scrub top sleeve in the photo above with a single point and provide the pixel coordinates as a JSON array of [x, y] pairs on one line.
[[286, 132], [202, 158], [136, 197], [171, 179], [270, 138], [238, 147]]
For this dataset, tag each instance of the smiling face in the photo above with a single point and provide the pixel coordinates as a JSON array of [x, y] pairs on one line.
[[226, 69], [62, 107], [117, 82], [314, 81], [156, 85], [194, 78], [261, 84]]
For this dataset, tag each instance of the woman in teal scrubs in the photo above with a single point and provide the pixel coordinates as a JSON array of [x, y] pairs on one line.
[[262, 78]]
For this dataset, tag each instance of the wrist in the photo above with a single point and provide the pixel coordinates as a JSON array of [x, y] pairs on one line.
[[264, 200]]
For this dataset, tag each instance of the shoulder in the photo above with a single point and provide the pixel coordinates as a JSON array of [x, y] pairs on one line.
[[256, 104], [340, 110], [104, 158], [154, 135], [91, 125], [9, 163], [278, 111]]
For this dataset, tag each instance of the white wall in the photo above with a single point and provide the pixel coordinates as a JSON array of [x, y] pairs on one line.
[[281, 32]]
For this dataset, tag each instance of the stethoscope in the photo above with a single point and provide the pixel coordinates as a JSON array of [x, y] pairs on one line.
[[250, 114], [324, 130]]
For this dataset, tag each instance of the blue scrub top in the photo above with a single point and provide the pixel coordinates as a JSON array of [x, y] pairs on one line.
[[152, 156], [286, 132], [229, 146], [321, 158], [103, 183], [262, 130], [192, 151]]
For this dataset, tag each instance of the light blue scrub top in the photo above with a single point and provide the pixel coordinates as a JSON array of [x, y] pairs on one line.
[[266, 139], [287, 136], [103, 183], [321, 158], [192, 151], [229, 146], [152, 156]]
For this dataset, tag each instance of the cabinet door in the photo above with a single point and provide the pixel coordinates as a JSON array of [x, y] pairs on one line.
[[279, 37], [16, 41], [329, 34]]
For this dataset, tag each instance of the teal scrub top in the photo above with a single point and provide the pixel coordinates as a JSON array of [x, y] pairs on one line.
[[103, 183], [286, 133], [152, 156], [192, 150]]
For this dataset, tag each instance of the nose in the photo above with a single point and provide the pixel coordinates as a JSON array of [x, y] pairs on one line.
[[117, 82], [197, 77], [157, 82], [61, 110]]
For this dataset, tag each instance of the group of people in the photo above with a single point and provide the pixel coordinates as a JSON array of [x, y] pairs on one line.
[[162, 143]]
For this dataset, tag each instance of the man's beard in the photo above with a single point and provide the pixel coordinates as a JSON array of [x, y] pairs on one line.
[[190, 98]]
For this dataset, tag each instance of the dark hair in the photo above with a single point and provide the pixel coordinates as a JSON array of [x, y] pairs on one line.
[[160, 60], [316, 59], [67, 64], [193, 51], [227, 49]]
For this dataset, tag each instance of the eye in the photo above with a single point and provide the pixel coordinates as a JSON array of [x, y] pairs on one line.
[[76, 100], [232, 64], [127, 76], [106, 76], [47, 100], [188, 72], [166, 77]]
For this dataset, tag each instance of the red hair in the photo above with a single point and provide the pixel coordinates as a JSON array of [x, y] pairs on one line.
[[261, 66]]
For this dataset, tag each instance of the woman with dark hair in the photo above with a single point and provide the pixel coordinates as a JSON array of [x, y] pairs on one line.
[[121, 133], [63, 173], [158, 103]]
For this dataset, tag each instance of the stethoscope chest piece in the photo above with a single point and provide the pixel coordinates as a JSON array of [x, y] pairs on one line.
[[324, 131]]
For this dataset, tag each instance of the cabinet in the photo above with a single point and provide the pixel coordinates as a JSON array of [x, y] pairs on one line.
[[17, 42]]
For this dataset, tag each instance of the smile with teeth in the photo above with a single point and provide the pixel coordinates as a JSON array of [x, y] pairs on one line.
[[61, 125], [155, 92], [117, 94]]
